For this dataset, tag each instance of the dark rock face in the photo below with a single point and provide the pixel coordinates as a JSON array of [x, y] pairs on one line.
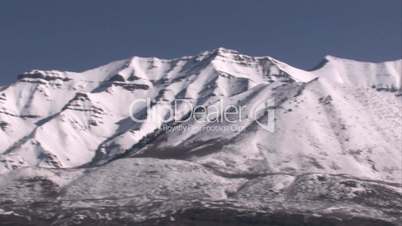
[[43, 75]]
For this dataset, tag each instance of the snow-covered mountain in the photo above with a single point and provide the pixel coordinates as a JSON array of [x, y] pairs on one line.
[[343, 118]]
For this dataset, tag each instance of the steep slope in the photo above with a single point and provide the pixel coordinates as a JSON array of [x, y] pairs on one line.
[[339, 123], [341, 118], [36, 99], [94, 121], [39, 95], [220, 138]]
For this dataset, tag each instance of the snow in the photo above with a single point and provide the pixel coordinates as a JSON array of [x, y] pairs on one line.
[[342, 118]]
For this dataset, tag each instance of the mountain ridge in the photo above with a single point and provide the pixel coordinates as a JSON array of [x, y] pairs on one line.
[[219, 138], [69, 110]]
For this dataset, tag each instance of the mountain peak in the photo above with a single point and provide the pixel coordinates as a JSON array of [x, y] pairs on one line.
[[74, 115], [222, 50]]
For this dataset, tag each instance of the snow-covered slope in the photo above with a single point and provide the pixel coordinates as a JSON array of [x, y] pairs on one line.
[[343, 117], [348, 121], [251, 141]]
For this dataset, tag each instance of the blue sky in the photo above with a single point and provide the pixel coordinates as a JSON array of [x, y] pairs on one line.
[[76, 35]]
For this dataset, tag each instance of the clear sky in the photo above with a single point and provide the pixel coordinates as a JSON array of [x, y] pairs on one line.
[[80, 34]]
